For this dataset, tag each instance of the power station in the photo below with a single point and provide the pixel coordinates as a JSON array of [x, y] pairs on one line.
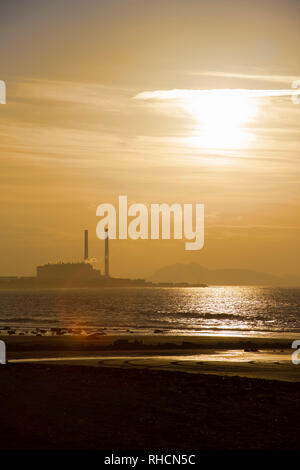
[[106, 254], [79, 274], [75, 273], [86, 245]]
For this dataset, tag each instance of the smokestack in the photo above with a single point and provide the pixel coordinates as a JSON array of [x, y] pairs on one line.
[[86, 245], [106, 254]]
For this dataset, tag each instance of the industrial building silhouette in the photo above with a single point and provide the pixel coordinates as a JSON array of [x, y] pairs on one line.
[[80, 274]]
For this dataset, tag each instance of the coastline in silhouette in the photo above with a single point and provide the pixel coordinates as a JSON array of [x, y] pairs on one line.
[[193, 273]]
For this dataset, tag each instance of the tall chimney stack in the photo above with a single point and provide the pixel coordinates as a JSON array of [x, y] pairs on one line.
[[86, 245], [106, 254]]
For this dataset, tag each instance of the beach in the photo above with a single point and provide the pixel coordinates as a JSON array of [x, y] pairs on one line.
[[252, 357], [116, 393], [149, 274]]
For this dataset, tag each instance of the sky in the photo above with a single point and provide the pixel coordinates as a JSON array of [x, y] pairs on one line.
[[164, 101]]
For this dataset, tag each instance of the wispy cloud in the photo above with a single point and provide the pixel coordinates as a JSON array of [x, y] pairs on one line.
[[287, 79], [84, 125], [80, 93], [182, 94]]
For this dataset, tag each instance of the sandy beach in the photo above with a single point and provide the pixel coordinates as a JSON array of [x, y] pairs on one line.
[[262, 357], [81, 407], [149, 393]]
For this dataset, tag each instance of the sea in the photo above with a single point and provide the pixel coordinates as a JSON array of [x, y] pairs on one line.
[[144, 311]]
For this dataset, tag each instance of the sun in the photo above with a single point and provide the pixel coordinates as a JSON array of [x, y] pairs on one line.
[[221, 118]]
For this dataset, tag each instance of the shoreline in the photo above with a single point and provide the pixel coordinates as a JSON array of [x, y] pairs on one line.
[[155, 341], [80, 393], [265, 358]]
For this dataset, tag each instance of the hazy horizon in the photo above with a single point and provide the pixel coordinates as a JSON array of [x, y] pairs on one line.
[[168, 101]]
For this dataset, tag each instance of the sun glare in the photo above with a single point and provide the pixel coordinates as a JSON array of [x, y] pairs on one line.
[[221, 117]]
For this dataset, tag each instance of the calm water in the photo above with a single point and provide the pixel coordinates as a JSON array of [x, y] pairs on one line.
[[141, 310]]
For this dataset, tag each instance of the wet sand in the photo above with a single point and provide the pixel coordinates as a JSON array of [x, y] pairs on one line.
[[268, 358], [149, 393]]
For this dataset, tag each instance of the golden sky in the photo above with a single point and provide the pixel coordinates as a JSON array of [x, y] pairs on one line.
[[164, 101]]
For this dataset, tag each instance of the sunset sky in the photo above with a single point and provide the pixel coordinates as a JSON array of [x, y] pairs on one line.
[[183, 101]]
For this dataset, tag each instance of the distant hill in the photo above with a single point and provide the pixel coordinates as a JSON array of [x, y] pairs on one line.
[[194, 273]]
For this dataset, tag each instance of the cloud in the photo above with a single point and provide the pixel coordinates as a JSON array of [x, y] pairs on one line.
[[287, 79], [84, 125], [184, 94], [80, 93]]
